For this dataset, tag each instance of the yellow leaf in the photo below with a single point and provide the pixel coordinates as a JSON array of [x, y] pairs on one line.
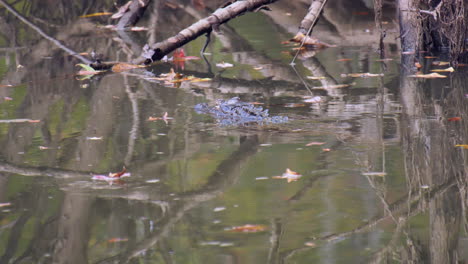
[[96, 14], [462, 146], [316, 77], [433, 75], [449, 69]]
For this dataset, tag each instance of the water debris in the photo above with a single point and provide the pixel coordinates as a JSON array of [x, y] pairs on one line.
[[362, 75], [248, 228], [378, 173], [4, 204], [433, 75], [224, 65], [266, 145], [235, 112], [219, 209], [449, 69], [289, 175], [19, 120], [425, 187], [261, 178]]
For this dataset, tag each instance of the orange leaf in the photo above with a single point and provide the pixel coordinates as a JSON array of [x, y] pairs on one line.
[[118, 174], [344, 59], [457, 118]]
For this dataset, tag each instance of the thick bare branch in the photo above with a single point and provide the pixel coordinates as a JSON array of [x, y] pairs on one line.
[[222, 15]]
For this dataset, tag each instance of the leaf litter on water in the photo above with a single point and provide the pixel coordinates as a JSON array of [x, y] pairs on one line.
[[289, 175]]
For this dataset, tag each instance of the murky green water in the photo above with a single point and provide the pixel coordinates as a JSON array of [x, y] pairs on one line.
[[382, 178]]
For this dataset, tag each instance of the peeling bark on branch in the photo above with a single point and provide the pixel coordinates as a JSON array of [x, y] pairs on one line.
[[203, 26]]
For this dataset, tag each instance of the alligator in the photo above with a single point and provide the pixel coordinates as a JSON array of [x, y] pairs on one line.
[[234, 112]]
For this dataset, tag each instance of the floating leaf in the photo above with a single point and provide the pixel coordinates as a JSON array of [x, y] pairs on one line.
[[4, 204], [224, 65], [449, 69], [430, 57], [247, 228], [118, 174], [362, 75], [316, 77], [333, 86], [289, 175], [121, 67], [314, 143], [457, 118], [433, 75], [139, 29], [5, 85], [117, 239], [165, 118], [345, 59], [380, 174], [87, 70], [462, 146], [19, 120], [96, 14], [440, 63]]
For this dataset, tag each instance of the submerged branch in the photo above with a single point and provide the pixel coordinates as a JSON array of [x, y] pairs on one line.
[[222, 15]]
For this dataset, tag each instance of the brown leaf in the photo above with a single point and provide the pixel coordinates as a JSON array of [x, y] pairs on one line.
[[121, 67]]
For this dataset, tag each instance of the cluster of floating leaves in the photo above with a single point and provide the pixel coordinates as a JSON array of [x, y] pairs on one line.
[[234, 112]]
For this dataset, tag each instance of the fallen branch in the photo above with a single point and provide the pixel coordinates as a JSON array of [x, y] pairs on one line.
[[131, 13], [222, 15]]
